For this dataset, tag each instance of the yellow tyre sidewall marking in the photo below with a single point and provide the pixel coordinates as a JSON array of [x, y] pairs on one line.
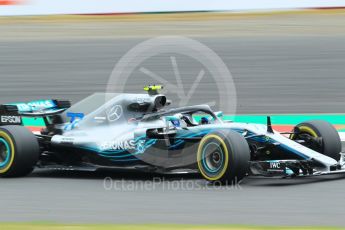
[[306, 129], [10, 142], [199, 156], [309, 130]]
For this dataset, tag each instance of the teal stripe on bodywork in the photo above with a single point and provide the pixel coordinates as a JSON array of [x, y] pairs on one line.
[[29, 121], [278, 119], [290, 119]]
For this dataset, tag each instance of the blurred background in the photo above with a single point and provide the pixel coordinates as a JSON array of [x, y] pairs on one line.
[[285, 57], [282, 58]]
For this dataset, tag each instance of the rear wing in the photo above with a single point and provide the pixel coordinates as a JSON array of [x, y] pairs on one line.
[[11, 114]]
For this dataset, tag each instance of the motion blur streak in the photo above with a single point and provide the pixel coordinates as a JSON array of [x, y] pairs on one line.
[[281, 62]]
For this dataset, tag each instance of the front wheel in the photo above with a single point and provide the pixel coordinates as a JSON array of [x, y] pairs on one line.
[[19, 151], [223, 156], [320, 136]]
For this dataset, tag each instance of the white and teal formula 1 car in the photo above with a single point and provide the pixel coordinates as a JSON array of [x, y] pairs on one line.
[[141, 132]]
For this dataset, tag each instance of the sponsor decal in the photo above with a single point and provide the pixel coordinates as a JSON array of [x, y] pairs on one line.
[[100, 119], [35, 105], [118, 145], [11, 119], [122, 145], [114, 113], [67, 140], [72, 125], [75, 116], [274, 165], [142, 99]]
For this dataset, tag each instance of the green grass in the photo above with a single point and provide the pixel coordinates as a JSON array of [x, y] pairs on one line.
[[48, 226]]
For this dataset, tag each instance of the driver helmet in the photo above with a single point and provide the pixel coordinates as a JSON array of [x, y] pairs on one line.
[[204, 120]]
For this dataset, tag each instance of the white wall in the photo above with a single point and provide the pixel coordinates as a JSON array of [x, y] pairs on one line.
[[44, 7]]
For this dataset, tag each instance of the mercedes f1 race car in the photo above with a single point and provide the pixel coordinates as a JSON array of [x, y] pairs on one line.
[[141, 132]]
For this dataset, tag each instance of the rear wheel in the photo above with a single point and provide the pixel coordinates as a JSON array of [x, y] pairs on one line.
[[320, 136], [223, 157], [19, 151]]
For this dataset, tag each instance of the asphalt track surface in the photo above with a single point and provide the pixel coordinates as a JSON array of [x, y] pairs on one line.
[[272, 74], [134, 198]]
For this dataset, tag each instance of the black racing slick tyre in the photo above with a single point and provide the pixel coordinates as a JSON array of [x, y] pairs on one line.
[[223, 156], [19, 151], [328, 140]]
